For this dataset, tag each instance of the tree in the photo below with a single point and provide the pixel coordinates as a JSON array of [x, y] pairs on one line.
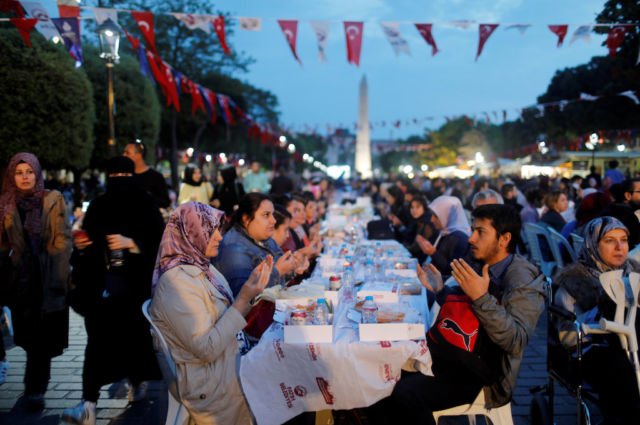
[[47, 104], [137, 106]]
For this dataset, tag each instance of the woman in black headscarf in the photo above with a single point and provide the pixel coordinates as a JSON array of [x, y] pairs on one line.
[[113, 270], [228, 194], [605, 364], [194, 187], [35, 245]]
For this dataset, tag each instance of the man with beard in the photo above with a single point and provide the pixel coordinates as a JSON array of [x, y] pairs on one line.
[[506, 295]]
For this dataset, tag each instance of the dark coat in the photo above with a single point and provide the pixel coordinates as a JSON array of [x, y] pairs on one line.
[[35, 289], [119, 343]]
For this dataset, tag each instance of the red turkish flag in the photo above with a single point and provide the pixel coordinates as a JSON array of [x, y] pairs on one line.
[[425, 32], [171, 90], [485, 32], [290, 31], [145, 22], [218, 26], [353, 32], [135, 43], [560, 31], [158, 74], [615, 39], [25, 26], [67, 11], [196, 98]]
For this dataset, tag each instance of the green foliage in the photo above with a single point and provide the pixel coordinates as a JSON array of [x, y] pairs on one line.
[[137, 106], [47, 105]]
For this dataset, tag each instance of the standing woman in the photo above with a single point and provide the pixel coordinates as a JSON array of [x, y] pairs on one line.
[[193, 188], [114, 266], [35, 241]]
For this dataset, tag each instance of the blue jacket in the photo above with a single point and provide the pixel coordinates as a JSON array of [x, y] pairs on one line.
[[238, 255]]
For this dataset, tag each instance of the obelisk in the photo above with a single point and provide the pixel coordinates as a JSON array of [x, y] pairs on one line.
[[363, 139]]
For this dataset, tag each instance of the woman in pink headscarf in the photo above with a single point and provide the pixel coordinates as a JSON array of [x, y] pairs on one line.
[[196, 312], [35, 246]]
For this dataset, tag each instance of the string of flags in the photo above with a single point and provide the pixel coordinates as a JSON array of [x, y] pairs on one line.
[[353, 30]]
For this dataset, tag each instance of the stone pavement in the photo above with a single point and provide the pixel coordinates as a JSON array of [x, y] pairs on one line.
[[65, 388]]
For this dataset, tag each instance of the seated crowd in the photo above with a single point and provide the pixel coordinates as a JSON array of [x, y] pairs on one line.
[[206, 266]]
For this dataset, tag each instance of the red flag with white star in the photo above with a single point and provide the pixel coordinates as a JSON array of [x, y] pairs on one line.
[[353, 32], [425, 32], [560, 31], [290, 31], [615, 39], [485, 32], [218, 26], [145, 22]]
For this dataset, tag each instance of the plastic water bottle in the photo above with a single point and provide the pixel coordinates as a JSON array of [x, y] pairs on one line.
[[321, 315], [369, 269], [347, 284], [369, 310]]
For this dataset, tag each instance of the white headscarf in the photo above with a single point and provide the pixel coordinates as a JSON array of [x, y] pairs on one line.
[[449, 211]]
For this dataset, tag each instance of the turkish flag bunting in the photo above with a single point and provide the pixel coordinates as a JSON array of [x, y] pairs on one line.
[[67, 11], [425, 32], [290, 31], [135, 43], [560, 31], [224, 103], [615, 39], [196, 98], [158, 75], [145, 22], [353, 32], [218, 26], [485, 32], [25, 26], [171, 88], [209, 99]]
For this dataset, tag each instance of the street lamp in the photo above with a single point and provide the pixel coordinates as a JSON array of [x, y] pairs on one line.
[[591, 145], [109, 34]]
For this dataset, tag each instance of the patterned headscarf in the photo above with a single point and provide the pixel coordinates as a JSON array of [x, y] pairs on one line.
[[594, 231], [185, 241], [449, 211], [29, 201]]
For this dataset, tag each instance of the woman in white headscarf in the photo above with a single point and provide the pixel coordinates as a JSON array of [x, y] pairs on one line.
[[449, 219]]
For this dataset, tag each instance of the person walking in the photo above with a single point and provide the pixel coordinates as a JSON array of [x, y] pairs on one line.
[[112, 270], [35, 246]]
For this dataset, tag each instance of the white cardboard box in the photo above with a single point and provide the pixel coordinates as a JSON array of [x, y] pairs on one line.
[[382, 292], [304, 334], [391, 331]]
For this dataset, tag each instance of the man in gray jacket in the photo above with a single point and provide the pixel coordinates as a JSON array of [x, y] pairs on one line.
[[507, 297]]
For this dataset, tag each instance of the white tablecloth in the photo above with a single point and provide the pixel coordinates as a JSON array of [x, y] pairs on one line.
[[282, 380]]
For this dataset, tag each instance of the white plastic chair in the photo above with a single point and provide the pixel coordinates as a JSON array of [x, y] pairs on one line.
[[177, 414], [557, 241], [577, 241], [498, 416], [533, 232]]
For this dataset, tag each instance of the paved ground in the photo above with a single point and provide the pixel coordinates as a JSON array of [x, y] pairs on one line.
[[65, 389]]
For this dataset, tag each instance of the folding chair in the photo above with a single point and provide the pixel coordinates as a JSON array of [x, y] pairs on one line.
[[534, 233], [557, 243], [578, 242], [498, 416], [177, 414]]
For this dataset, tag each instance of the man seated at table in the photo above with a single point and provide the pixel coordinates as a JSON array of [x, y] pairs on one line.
[[506, 296]]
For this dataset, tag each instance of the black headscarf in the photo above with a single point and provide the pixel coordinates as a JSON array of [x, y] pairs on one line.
[[188, 175]]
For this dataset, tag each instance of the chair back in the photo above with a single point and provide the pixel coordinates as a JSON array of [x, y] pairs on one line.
[[533, 234], [558, 243], [578, 242], [163, 354]]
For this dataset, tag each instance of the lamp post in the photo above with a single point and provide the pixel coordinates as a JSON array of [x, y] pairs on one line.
[[109, 34], [591, 145]]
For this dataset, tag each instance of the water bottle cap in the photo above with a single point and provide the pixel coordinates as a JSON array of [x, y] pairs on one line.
[[322, 301], [368, 298]]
